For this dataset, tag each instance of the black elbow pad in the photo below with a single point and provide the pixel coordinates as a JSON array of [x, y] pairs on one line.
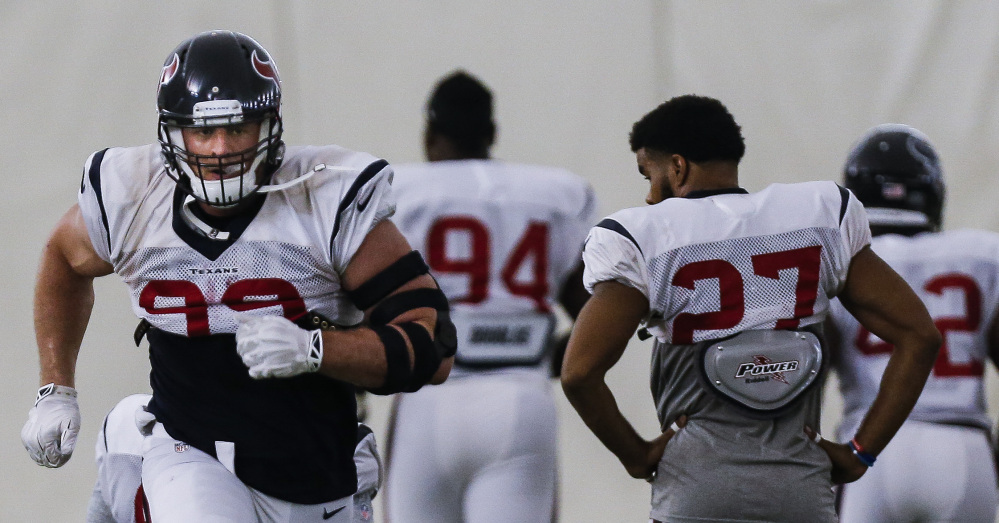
[[446, 335], [397, 372]]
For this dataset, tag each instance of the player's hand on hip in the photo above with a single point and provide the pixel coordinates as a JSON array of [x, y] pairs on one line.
[[274, 347], [653, 452], [53, 426], [846, 467]]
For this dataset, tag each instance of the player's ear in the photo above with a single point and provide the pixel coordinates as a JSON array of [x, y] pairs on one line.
[[429, 139], [679, 170]]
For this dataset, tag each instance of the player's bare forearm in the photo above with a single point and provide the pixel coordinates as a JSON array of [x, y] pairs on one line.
[[881, 301], [358, 356], [355, 356], [599, 337], [597, 407], [901, 385], [62, 309], [64, 298]]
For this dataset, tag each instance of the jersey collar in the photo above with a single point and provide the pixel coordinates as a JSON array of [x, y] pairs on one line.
[[209, 248], [712, 192]]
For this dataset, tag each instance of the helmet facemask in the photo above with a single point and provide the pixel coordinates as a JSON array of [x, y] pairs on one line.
[[221, 180], [218, 79]]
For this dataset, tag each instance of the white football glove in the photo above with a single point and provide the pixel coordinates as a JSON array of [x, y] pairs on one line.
[[53, 425], [274, 347]]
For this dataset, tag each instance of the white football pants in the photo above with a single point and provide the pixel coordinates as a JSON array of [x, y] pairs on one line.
[[928, 473], [184, 484], [478, 448]]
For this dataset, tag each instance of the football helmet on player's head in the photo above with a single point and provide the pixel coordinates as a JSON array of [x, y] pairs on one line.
[[895, 172], [220, 78]]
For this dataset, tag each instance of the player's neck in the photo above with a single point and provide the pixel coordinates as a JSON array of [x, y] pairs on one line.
[[227, 212], [710, 176], [440, 148], [452, 154]]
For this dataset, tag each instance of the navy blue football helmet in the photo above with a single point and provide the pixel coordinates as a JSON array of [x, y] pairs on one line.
[[895, 172], [220, 78]]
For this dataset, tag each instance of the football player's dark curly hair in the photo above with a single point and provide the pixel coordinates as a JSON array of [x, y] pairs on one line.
[[461, 108], [698, 128]]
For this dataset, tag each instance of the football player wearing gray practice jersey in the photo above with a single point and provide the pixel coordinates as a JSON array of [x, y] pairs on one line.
[[939, 466], [503, 240], [734, 287]]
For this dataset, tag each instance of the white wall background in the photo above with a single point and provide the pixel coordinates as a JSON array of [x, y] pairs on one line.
[[804, 78]]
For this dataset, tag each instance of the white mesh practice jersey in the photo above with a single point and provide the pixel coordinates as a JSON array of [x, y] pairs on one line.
[[285, 259], [956, 275], [501, 239], [189, 277], [732, 262]]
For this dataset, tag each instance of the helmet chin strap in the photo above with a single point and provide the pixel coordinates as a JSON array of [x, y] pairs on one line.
[[295, 181], [198, 224], [213, 233]]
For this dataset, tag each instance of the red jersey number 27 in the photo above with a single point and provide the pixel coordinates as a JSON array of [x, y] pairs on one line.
[[806, 260]]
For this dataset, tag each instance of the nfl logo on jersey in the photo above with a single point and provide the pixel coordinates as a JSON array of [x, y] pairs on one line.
[[181, 447]]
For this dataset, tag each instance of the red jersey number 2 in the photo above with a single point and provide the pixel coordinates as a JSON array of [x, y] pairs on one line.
[[970, 322], [731, 289]]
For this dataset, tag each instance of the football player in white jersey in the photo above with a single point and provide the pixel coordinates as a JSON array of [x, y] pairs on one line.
[[503, 241], [734, 287], [939, 466], [270, 284], [118, 496]]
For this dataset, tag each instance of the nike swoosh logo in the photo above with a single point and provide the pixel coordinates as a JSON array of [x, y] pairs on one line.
[[327, 514], [361, 205]]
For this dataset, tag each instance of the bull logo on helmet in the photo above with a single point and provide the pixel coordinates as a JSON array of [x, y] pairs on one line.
[[170, 70], [264, 69]]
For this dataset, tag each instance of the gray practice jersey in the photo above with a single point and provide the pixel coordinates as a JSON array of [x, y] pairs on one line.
[[712, 265]]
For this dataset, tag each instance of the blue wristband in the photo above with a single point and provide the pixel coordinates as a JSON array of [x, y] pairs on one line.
[[864, 457]]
